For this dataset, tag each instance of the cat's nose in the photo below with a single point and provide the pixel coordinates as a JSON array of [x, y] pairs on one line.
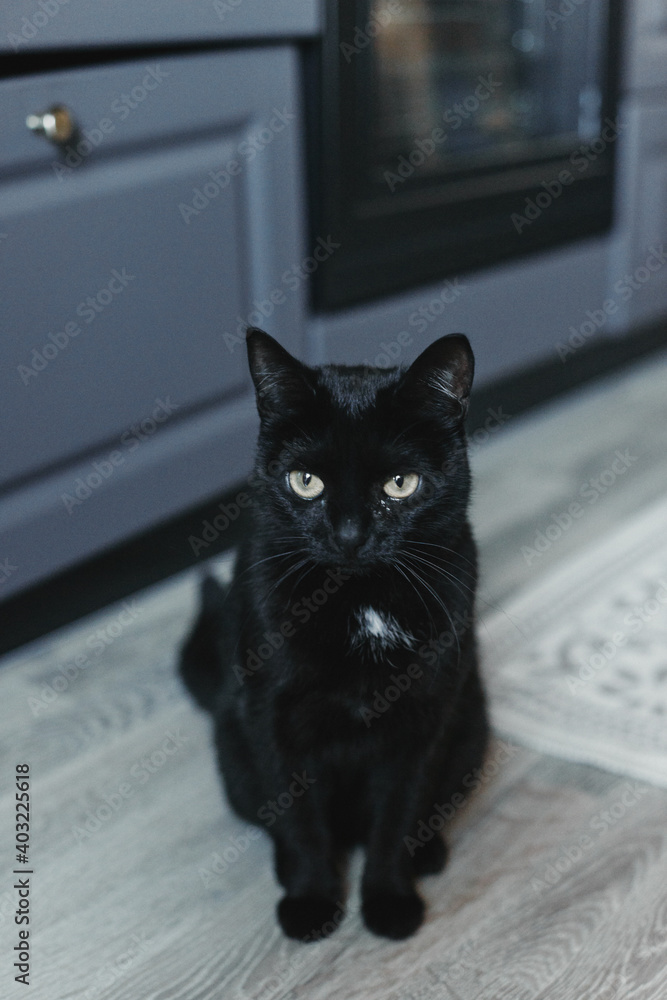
[[349, 535]]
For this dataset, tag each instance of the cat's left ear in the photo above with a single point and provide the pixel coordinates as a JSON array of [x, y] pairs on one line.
[[441, 377], [281, 382]]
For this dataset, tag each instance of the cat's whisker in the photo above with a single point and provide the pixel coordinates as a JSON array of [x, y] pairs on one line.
[[440, 571], [398, 565], [265, 598], [452, 578], [438, 600], [281, 579], [445, 548], [302, 577], [433, 666], [288, 538], [479, 594], [277, 555]]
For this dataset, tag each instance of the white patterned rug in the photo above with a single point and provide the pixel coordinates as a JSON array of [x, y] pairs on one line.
[[576, 665]]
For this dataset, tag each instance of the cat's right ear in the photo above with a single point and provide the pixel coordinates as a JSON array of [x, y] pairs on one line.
[[282, 383], [439, 380]]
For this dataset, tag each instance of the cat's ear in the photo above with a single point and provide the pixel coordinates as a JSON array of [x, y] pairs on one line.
[[441, 377], [281, 382]]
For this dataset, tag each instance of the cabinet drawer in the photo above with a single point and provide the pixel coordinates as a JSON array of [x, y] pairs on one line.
[[132, 257]]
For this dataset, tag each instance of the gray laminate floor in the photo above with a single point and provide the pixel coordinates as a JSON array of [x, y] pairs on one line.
[[145, 887]]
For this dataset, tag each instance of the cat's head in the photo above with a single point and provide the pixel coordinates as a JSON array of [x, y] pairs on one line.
[[355, 463]]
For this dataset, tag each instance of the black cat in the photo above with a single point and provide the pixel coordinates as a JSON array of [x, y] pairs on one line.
[[340, 665]]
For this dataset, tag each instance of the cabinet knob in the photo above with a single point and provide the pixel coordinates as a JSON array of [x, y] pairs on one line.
[[57, 124]]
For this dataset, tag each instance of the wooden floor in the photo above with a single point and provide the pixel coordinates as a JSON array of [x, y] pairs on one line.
[[146, 887]]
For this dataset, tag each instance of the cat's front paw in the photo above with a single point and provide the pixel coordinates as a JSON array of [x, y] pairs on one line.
[[309, 918], [392, 915]]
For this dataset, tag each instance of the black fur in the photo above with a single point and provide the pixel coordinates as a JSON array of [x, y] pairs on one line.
[[340, 665]]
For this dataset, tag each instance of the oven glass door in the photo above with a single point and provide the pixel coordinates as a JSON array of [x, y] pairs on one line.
[[476, 83], [443, 122]]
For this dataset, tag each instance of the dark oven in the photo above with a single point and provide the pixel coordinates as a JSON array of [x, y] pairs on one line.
[[452, 134]]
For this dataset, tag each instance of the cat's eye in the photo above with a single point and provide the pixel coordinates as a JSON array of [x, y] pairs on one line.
[[401, 486], [306, 484]]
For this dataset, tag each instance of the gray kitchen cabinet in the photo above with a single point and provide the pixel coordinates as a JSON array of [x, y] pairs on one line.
[[131, 258], [48, 24], [637, 274], [638, 271]]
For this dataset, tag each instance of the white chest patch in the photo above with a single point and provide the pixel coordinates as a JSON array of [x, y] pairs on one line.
[[378, 631]]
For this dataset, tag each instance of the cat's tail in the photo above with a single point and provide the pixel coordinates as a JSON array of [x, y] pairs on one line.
[[200, 663]]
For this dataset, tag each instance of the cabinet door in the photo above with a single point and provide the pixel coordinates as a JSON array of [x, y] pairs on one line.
[[131, 260], [638, 260], [132, 257]]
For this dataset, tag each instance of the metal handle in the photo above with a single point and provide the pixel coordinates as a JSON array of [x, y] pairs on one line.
[[57, 124]]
